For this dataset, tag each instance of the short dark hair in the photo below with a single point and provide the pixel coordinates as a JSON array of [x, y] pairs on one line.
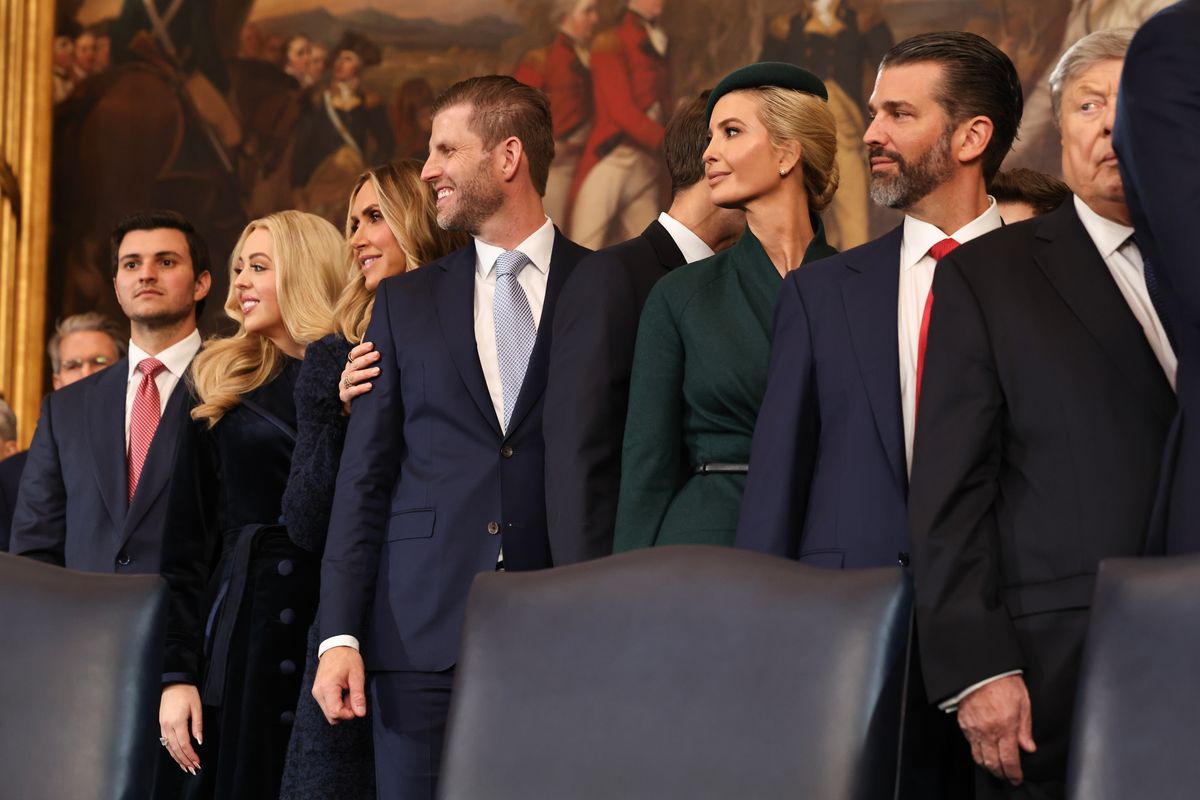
[[1042, 192], [156, 218], [502, 106], [977, 80], [685, 141]]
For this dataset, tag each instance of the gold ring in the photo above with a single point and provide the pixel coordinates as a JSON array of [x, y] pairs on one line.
[[347, 383]]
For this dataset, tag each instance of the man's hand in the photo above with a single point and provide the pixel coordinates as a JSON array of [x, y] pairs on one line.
[[338, 687], [997, 722], [179, 709]]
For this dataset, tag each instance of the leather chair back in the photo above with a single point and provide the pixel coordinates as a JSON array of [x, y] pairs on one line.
[[80, 680], [685, 671], [1134, 733]]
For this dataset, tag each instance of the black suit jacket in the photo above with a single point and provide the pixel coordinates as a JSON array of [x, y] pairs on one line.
[[72, 509], [10, 482], [1042, 420], [1158, 115], [587, 392]]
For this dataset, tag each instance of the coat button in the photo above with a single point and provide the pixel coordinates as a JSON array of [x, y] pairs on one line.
[[287, 667], [902, 558], [287, 718], [506, 451], [493, 528], [287, 616], [285, 567], [122, 559]]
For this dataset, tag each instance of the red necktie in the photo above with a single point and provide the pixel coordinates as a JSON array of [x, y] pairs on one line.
[[143, 421], [938, 251]]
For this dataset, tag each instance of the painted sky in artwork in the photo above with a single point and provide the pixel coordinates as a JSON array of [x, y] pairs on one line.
[[457, 11]]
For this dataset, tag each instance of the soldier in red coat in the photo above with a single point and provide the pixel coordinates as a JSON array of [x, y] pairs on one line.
[[560, 69], [616, 189]]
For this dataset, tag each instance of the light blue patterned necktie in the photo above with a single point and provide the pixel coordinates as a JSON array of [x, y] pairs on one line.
[[515, 329]]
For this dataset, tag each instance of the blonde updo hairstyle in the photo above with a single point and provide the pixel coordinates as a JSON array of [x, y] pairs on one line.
[[310, 266], [792, 115], [410, 212]]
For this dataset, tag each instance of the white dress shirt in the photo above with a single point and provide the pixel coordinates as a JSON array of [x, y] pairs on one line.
[[916, 278], [692, 246], [538, 247], [532, 279], [175, 358], [1124, 263]]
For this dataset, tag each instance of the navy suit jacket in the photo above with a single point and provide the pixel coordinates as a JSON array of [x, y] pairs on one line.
[[827, 482], [587, 397], [429, 488], [10, 483], [1158, 114], [72, 508]]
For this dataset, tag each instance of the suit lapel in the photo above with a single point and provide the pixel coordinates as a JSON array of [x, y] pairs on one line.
[[160, 459], [1071, 263], [534, 385], [669, 254], [456, 312], [870, 294], [105, 412]]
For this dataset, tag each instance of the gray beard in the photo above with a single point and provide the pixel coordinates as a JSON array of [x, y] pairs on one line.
[[915, 181]]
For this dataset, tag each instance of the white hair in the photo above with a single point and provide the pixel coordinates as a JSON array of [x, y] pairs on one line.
[[1100, 46]]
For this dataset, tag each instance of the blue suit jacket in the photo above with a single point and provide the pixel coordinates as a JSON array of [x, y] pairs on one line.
[[1158, 114], [827, 482], [10, 483], [72, 508], [429, 488]]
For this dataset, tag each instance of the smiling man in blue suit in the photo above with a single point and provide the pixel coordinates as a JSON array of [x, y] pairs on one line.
[[443, 471], [828, 477], [96, 483]]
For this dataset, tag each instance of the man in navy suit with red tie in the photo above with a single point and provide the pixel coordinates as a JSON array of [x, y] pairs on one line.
[[96, 483], [442, 477], [828, 479]]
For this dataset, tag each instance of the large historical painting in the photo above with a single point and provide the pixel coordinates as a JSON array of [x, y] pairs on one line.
[[228, 109]]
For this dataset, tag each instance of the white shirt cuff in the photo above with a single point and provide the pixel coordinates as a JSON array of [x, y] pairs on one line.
[[345, 640], [950, 706]]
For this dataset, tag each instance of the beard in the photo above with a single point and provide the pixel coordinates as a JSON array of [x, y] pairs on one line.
[[913, 181], [475, 202]]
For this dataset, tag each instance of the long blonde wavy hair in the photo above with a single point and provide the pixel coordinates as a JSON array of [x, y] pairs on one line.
[[408, 208], [310, 267]]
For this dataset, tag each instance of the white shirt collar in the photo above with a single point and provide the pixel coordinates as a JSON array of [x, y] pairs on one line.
[[919, 236], [537, 247], [175, 358], [691, 245], [1107, 235]]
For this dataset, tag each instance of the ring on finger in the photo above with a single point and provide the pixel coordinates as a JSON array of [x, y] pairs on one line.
[[162, 740], [346, 382]]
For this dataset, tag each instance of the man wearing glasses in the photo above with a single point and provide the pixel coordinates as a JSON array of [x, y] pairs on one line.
[[81, 344]]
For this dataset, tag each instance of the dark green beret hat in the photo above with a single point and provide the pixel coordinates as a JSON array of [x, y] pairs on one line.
[[767, 73]]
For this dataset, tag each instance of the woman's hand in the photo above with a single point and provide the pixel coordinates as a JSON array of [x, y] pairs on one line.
[[357, 374], [178, 710]]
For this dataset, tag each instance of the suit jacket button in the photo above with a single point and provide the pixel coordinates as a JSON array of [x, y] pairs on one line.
[[287, 718], [902, 559], [122, 560], [285, 567], [287, 667], [506, 451], [287, 616], [493, 528]]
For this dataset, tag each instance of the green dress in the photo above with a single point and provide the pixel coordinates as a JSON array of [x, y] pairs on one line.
[[699, 375]]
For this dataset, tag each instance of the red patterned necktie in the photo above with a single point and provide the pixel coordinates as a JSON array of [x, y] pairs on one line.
[[143, 421], [938, 251]]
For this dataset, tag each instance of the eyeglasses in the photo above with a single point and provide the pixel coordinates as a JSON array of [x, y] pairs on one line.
[[95, 362]]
